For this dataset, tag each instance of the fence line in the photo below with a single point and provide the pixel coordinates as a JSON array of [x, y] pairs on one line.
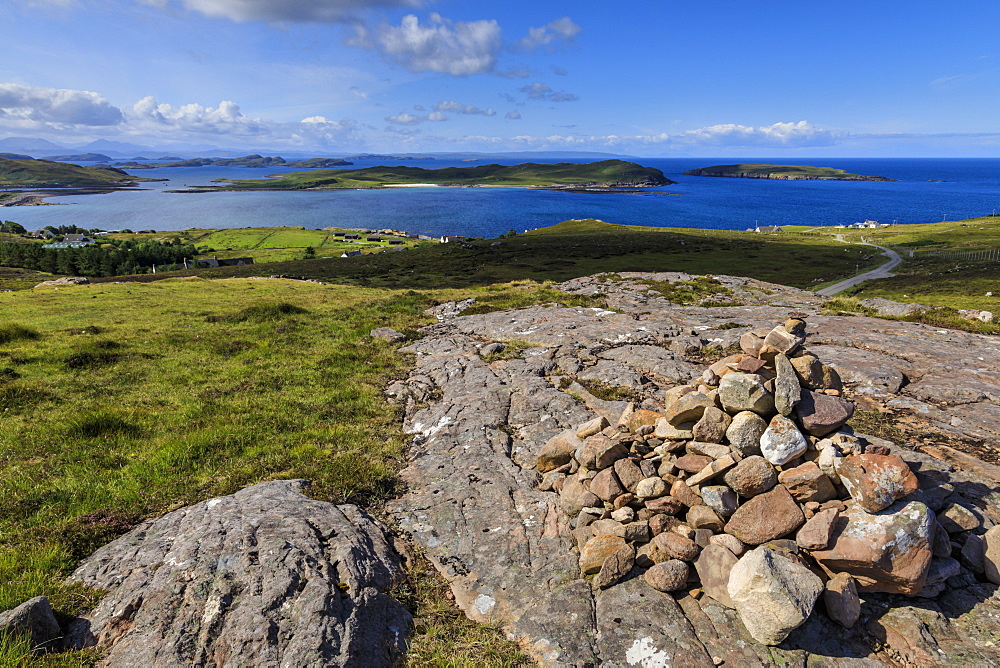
[[989, 255]]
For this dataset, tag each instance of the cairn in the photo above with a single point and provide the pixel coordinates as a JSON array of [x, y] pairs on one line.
[[749, 488]]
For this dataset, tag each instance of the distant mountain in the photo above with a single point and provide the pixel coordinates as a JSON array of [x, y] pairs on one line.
[[15, 156], [81, 157], [243, 161], [113, 148], [30, 145]]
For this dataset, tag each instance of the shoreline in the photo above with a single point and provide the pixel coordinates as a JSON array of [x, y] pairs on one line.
[[38, 197]]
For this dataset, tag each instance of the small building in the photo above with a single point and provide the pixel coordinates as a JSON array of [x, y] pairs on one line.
[[339, 234], [373, 238], [352, 236], [216, 262], [395, 242], [768, 229], [76, 239], [42, 234], [452, 238], [351, 254]]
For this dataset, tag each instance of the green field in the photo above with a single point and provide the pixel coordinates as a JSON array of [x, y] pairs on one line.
[[581, 248], [605, 172], [125, 401]]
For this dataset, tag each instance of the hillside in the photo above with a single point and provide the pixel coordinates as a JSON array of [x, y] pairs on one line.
[[606, 173], [245, 161], [47, 174], [782, 173]]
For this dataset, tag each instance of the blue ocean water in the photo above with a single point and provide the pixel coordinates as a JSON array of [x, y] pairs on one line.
[[925, 190]]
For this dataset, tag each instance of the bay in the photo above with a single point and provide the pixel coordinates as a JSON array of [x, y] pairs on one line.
[[925, 190]]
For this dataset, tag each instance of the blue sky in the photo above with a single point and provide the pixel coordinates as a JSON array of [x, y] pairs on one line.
[[661, 78]]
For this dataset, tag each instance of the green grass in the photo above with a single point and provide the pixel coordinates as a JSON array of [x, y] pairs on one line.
[[581, 248], [605, 172], [125, 401]]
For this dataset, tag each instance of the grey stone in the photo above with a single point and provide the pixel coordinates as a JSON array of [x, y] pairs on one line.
[[991, 555], [218, 581], [714, 565], [616, 566], [841, 599], [720, 498], [745, 392], [33, 619], [744, 433], [712, 426], [392, 336], [773, 595], [786, 386]]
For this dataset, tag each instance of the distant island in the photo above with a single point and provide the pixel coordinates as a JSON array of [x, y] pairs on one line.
[[245, 161], [80, 157], [32, 173], [782, 173], [606, 175]]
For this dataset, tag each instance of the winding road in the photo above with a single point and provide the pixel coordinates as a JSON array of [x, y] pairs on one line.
[[879, 272]]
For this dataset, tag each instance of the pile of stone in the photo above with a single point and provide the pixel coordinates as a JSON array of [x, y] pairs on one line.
[[749, 488]]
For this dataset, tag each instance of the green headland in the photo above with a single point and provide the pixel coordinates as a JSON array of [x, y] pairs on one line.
[[603, 174], [49, 174], [782, 173]]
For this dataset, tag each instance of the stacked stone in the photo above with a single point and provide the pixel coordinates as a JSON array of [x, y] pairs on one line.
[[749, 487]]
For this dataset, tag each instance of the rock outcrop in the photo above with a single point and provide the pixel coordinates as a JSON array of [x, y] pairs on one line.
[[266, 576], [505, 538]]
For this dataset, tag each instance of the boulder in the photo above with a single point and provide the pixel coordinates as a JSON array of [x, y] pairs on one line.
[[629, 474], [731, 543], [956, 518], [687, 408], [819, 414], [765, 517], [558, 450], [745, 392], [387, 334], [221, 581], [782, 441], [597, 550], [712, 426], [807, 482], [677, 546], [841, 600], [752, 476], [680, 491], [714, 565], [887, 551], [703, 517], [650, 488], [692, 463], [773, 595], [786, 386], [616, 566], [744, 433], [876, 481], [815, 533], [34, 619], [606, 485], [599, 452], [780, 340], [667, 576], [711, 471], [991, 556], [591, 427], [720, 498]]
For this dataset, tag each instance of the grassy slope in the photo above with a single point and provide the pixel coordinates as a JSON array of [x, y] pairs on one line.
[[785, 171], [45, 173], [124, 401], [580, 248], [527, 174]]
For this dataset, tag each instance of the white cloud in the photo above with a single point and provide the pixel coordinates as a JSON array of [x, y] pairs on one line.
[[564, 29], [227, 118], [300, 11], [459, 108], [459, 48], [540, 91], [801, 133], [405, 118], [30, 107], [513, 115]]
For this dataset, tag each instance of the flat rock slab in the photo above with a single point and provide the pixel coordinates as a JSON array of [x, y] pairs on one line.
[[506, 547], [264, 577]]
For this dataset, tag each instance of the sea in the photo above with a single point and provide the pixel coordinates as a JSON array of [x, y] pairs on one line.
[[924, 191]]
